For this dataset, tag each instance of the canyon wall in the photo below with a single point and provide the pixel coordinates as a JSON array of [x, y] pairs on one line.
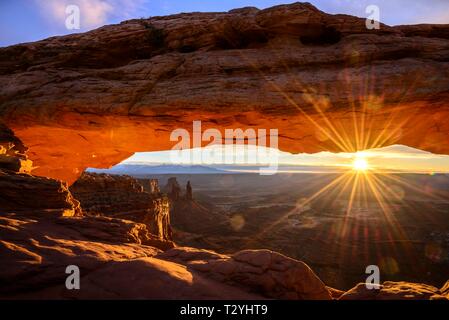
[[22, 192], [124, 197], [92, 99], [190, 217], [324, 81]]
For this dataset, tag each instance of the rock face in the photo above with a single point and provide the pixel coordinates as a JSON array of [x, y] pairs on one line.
[[269, 273], [93, 99], [12, 152], [175, 192], [189, 217], [154, 186], [124, 197], [189, 194], [390, 290], [20, 191], [120, 259], [23, 192], [324, 81], [36, 251], [173, 189], [116, 262], [41, 235]]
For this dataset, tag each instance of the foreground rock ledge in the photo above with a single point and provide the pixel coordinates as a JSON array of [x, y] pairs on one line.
[[117, 260], [325, 81]]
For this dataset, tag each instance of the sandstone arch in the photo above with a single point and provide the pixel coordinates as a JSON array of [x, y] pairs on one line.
[[93, 99]]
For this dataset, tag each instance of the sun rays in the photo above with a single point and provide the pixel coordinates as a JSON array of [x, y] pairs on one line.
[[359, 131], [360, 164], [377, 194], [370, 122]]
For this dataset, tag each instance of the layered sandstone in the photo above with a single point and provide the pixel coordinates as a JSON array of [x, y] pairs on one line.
[[116, 262], [269, 273], [190, 216], [36, 195], [390, 290], [324, 81], [119, 260], [22, 192], [92, 99], [12, 152], [124, 197], [34, 251]]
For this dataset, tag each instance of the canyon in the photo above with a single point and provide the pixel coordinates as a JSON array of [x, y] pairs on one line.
[[124, 259], [93, 99], [124, 197]]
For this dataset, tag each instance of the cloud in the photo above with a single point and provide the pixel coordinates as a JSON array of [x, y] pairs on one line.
[[93, 13]]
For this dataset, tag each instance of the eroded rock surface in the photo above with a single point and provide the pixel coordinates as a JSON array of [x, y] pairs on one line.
[[12, 152], [35, 251], [93, 99], [23, 192], [116, 261], [173, 189], [124, 197], [269, 273], [390, 290], [20, 191], [324, 81]]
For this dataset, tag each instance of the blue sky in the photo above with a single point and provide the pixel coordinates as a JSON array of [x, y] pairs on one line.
[[31, 20]]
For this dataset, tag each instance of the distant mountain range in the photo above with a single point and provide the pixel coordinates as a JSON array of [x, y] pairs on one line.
[[394, 158], [145, 169], [149, 169]]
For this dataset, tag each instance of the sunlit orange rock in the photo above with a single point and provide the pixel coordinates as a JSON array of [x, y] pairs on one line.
[[117, 260], [390, 290], [324, 81]]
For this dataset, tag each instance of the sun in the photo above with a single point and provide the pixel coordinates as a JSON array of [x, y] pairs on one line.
[[360, 164]]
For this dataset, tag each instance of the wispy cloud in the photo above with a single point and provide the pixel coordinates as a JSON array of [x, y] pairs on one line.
[[93, 13]]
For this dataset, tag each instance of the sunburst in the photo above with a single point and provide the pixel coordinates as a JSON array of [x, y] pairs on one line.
[[362, 181], [360, 164]]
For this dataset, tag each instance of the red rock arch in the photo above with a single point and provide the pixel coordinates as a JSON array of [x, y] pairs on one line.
[[93, 99]]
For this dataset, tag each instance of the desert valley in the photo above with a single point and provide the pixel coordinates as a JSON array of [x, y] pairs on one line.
[[74, 108]]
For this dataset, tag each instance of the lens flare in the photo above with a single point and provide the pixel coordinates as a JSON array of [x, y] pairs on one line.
[[360, 164]]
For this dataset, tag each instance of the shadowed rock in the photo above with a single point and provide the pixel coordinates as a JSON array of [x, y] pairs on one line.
[[173, 189], [124, 197], [116, 262], [269, 273], [36, 195]]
